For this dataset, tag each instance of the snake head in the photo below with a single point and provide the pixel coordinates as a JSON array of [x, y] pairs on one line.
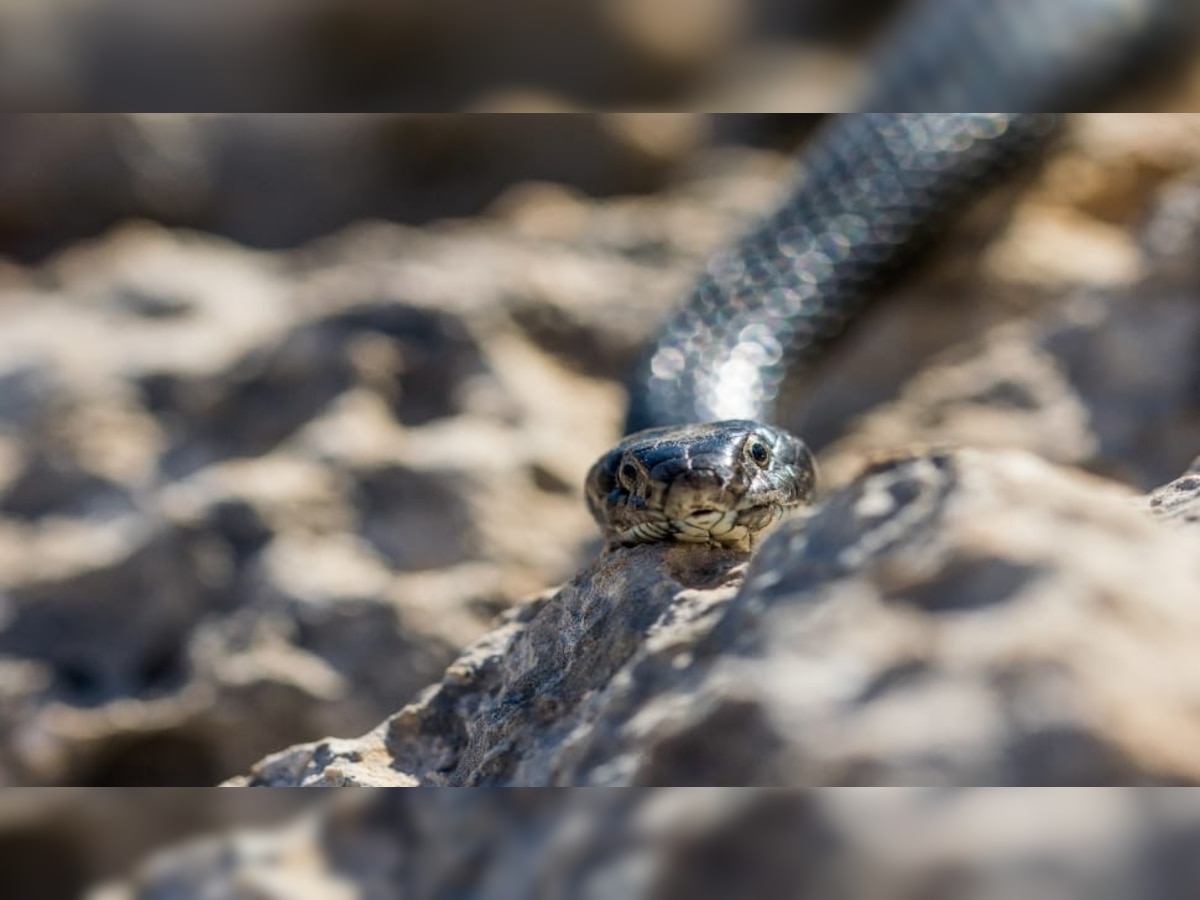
[[713, 483]]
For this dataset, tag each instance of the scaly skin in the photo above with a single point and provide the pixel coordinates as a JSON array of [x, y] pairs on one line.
[[874, 188], [721, 483]]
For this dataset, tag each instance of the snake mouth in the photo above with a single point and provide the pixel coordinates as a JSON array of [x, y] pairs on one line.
[[706, 525]]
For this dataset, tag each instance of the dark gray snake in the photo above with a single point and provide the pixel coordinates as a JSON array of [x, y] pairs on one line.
[[874, 188]]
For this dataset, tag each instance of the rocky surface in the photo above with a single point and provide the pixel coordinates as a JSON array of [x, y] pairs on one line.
[[253, 498], [418, 56], [250, 498], [54, 845], [662, 844], [277, 181], [1179, 501], [949, 618], [1069, 331], [984, 595]]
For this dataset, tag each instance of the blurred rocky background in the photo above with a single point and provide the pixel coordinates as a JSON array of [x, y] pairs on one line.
[[417, 55], [253, 497], [56, 845], [662, 844], [278, 181], [293, 407]]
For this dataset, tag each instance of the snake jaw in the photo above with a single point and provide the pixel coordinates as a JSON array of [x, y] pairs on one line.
[[731, 528], [645, 533]]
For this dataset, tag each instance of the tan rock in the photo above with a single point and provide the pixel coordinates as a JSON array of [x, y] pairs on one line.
[[950, 618]]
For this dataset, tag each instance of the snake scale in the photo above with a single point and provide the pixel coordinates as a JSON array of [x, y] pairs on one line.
[[702, 463]]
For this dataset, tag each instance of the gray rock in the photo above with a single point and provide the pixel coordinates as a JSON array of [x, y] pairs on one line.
[[54, 845], [266, 497], [1179, 501], [662, 844], [278, 180], [948, 618], [253, 520]]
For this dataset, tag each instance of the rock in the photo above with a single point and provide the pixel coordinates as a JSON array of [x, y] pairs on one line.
[[949, 618], [267, 497], [134, 54], [1179, 501], [55, 845], [107, 612], [291, 487], [279, 181], [247, 500], [1100, 379], [532, 672], [660, 844]]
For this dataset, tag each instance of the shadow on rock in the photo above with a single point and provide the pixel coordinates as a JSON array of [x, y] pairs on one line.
[[954, 617]]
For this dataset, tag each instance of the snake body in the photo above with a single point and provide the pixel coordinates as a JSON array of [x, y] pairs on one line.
[[873, 189]]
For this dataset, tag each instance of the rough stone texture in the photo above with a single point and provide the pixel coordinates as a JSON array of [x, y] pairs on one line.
[[55, 844], [276, 181], [949, 618], [249, 499], [1179, 501], [418, 56], [1066, 326], [986, 596], [663, 844]]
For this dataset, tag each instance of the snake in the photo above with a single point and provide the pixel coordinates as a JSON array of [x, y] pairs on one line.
[[701, 462]]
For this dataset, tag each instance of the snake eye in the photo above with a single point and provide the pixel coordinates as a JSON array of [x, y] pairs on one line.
[[759, 452], [628, 474]]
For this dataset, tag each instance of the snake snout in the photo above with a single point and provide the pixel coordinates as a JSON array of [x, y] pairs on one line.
[[698, 494]]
